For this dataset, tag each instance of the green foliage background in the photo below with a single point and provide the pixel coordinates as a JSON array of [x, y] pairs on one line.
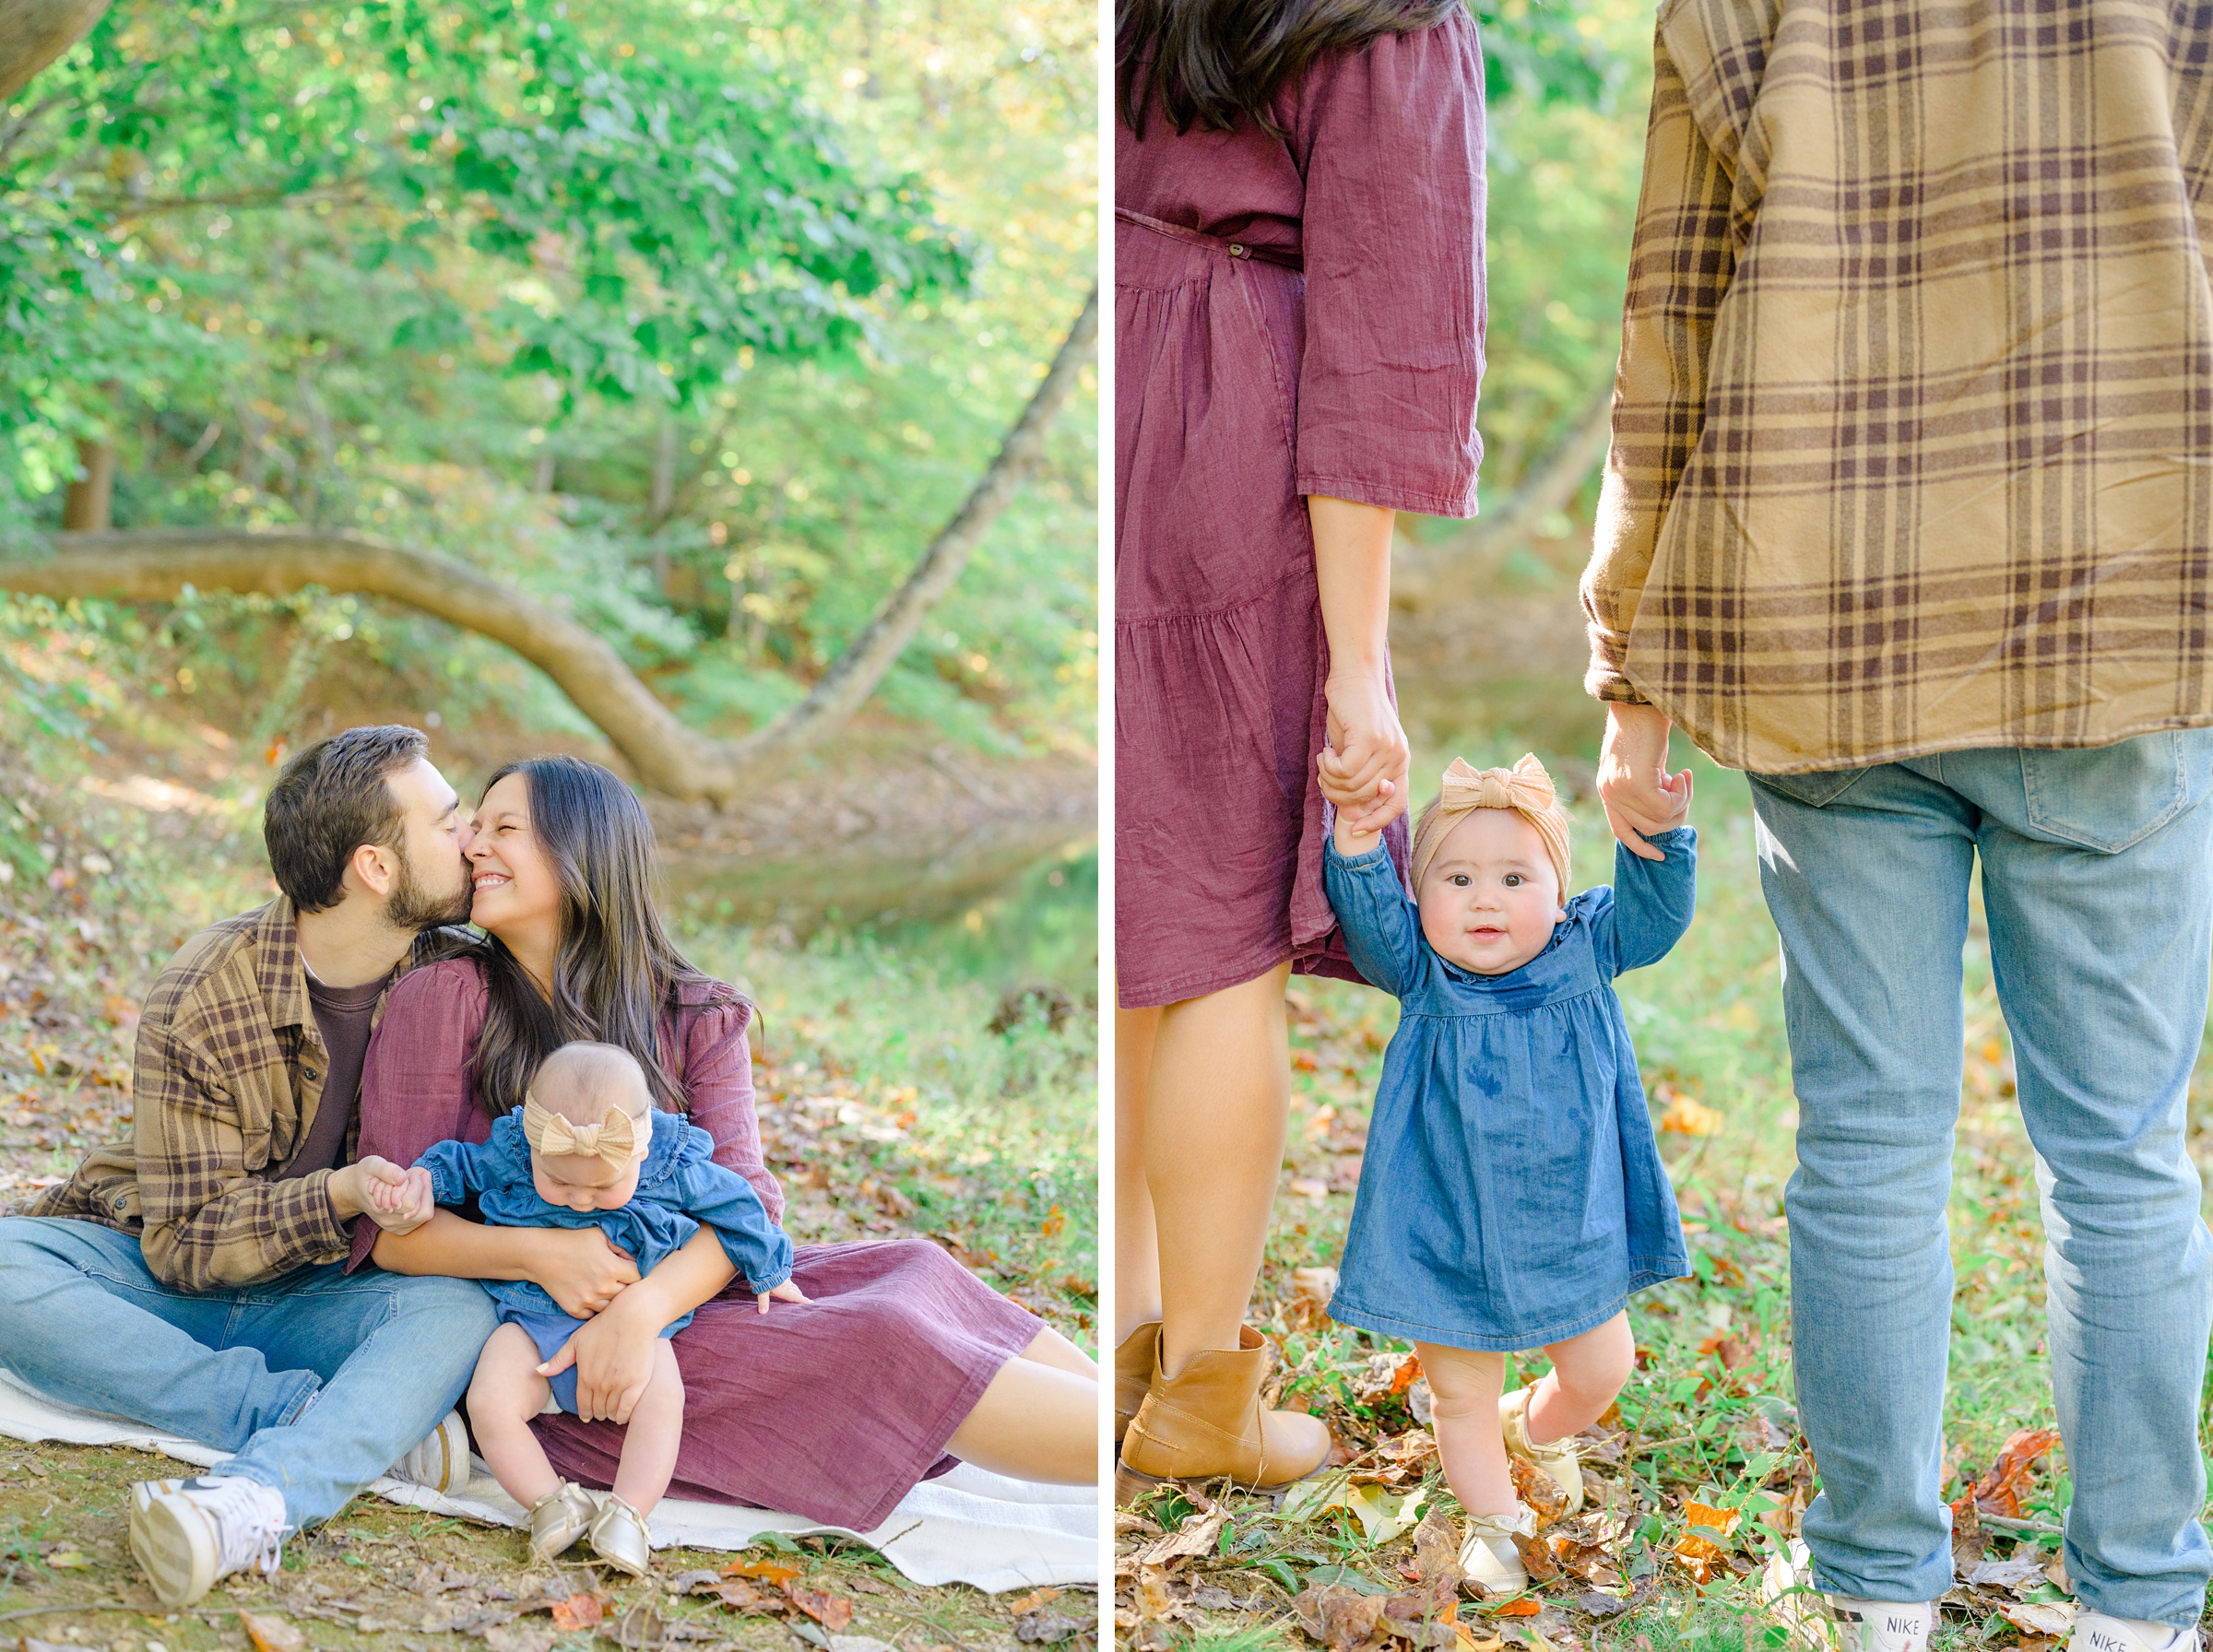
[[398, 268]]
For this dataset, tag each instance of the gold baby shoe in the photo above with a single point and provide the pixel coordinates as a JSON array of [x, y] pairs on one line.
[[1557, 1457], [618, 1537], [560, 1517]]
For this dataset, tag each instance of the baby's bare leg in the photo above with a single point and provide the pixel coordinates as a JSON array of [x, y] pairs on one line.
[[1464, 1391], [1587, 1373], [504, 1396], [657, 1429]]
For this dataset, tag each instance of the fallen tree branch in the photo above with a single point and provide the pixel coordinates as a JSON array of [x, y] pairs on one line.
[[158, 564]]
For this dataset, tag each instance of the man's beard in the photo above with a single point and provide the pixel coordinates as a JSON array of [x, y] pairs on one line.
[[411, 906]]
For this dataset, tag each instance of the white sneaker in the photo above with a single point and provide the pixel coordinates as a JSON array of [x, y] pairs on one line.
[[186, 1538], [441, 1462], [1880, 1626], [2094, 1632], [1490, 1556]]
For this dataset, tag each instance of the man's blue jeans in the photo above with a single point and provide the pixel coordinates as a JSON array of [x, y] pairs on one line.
[[2099, 895], [318, 1381]]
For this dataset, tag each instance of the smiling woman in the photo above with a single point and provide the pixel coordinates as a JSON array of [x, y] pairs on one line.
[[831, 1408]]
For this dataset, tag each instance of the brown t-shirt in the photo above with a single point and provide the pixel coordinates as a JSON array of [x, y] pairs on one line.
[[342, 1015]]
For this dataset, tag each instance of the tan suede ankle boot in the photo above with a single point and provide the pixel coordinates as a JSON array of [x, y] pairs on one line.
[[1207, 1421], [1134, 1362]]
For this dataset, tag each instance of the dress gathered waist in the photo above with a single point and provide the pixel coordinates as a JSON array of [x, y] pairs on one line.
[[1221, 244]]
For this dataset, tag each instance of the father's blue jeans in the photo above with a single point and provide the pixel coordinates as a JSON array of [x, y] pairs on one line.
[[2099, 894], [318, 1381]]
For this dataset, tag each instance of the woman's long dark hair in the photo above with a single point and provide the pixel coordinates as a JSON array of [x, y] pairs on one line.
[[616, 970], [1207, 62]]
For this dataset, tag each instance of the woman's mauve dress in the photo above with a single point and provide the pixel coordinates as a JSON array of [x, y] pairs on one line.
[[1242, 385], [832, 1408]]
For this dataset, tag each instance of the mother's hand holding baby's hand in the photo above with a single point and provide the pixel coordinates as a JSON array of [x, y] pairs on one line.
[[787, 1291], [581, 1270], [1363, 771], [1640, 797]]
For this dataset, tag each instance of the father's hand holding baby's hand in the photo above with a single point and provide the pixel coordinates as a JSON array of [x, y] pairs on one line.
[[787, 1291], [1640, 797], [396, 1201]]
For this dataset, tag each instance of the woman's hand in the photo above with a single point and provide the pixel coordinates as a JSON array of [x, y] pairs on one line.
[[787, 1291], [581, 1270], [613, 1356], [1640, 797], [1364, 771]]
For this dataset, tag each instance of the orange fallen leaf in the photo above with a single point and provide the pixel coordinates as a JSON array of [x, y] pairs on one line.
[[578, 1612], [1702, 1557], [1999, 1492], [1054, 1219], [1527, 1607], [773, 1573], [1687, 1117], [271, 1634], [1032, 1601]]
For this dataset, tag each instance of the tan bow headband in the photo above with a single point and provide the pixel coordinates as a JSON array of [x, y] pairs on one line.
[[1525, 789], [615, 1139]]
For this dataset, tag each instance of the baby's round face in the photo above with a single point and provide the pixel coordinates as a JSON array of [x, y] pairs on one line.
[[582, 1184], [1490, 897]]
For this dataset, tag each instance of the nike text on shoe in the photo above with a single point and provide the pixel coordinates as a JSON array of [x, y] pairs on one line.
[[1879, 1626], [441, 1462], [186, 1539], [2094, 1632]]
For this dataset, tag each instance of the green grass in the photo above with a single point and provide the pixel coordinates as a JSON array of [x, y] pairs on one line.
[[1707, 1415]]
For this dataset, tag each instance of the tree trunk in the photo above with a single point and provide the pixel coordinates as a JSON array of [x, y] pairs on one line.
[[88, 506], [155, 565], [34, 32]]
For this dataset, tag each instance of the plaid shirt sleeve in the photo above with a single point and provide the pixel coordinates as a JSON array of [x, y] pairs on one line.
[[210, 1223], [1681, 257]]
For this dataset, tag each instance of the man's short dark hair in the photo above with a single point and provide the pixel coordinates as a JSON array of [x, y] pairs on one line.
[[328, 800]]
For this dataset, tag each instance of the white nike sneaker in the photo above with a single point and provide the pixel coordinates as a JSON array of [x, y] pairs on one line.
[[2094, 1632], [1880, 1626], [441, 1462], [186, 1538], [144, 1492]]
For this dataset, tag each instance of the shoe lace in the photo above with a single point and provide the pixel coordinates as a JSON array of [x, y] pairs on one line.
[[249, 1523]]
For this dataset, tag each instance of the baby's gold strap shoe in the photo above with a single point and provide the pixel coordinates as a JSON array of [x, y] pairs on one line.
[[1558, 1459], [560, 1517], [1490, 1556], [618, 1537]]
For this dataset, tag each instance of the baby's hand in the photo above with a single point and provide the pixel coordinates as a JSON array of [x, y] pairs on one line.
[[1360, 820], [787, 1291], [399, 1200]]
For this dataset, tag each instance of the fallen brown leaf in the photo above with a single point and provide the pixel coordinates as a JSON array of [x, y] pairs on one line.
[[832, 1612], [1538, 1490], [773, 1573], [1999, 1490], [1340, 1618], [1437, 1549], [1193, 1538], [1032, 1601]]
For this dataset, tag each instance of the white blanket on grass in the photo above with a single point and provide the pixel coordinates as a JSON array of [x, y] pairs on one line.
[[966, 1527]]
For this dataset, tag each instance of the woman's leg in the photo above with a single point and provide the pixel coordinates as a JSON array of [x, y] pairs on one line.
[[1050, 1347], [506, 1393], [1034, 1422], [1136, 1250], [1217, 1096], [1463, 1391], [1587, 1373], [656, 1430]]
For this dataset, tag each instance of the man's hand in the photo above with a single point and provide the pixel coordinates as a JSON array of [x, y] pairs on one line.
[[787, 1291], [1640, 797], [1363, 771], [582, 1271], [397, 1200], [613, 1356]]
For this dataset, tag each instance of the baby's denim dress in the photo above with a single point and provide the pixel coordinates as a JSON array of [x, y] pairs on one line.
[[1512, 1194], [680, 1189]]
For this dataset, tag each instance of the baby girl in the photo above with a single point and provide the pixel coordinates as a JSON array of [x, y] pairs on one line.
[[1513, 1195], [587, 1149]]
